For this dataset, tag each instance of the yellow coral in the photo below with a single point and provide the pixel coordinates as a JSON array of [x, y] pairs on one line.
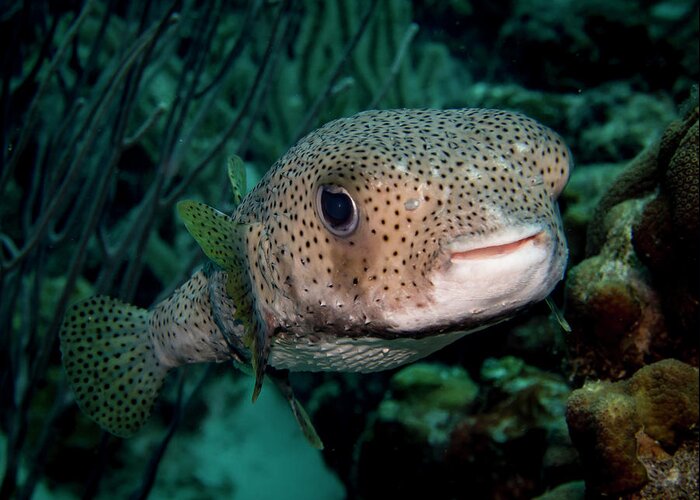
[[604, 419]]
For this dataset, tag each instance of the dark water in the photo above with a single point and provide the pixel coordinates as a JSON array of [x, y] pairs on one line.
[[112, 112]]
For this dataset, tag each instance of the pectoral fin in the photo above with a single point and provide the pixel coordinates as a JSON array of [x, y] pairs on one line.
[[260, 347], [282, 381], [218, 235], [223, 240]]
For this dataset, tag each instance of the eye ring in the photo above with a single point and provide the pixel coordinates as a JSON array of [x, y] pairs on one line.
[[337, 210]]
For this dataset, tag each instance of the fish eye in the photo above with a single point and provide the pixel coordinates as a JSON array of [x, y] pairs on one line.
[[337, 210]]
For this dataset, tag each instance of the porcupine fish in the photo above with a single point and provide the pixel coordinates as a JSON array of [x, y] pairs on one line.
[[373, 242]]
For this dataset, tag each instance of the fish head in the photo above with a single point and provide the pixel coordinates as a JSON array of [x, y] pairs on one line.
[[410, 221]]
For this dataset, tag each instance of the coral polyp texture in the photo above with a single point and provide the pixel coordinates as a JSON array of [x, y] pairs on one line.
[[644, 429], [666, 237]]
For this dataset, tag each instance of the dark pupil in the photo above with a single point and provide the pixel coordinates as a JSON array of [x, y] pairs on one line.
[[337, 207]]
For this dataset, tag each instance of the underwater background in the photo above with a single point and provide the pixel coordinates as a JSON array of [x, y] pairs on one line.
[[113, 111]]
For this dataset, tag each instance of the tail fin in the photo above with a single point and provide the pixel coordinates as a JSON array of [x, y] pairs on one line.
[[110, 363]]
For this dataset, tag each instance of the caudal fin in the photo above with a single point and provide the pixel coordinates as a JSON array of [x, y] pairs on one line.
[[111, 364]]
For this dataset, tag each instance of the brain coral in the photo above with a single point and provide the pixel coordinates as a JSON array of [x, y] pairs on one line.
[[666, 236], [681, 183]]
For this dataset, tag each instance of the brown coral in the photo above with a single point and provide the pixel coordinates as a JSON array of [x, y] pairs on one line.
[[636, 299], [681, 183], [605, 418], [614, 312], [672, 163], [666, 236], [670, 476]]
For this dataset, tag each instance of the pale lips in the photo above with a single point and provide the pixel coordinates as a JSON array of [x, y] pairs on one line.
[[495, 251]]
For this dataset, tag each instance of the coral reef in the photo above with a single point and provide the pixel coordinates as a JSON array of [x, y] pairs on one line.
[[669, 164], [605, 419], [595, 41], [613, 310], [629, 117], [586, 43], [667, 235], [670, 475], [442, 440], [636, 299], [425, 398], [582, 194], [632, 302]]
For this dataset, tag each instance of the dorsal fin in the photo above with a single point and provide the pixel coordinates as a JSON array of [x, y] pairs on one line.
[[237, 177]]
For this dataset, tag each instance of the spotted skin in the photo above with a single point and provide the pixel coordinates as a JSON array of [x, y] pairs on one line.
[[182, 329], [471, 173], [457, 228]]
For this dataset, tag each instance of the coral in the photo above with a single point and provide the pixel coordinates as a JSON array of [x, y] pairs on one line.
[[636, 299], [610, 123], [580, 197], [670, 475], [425, 398], [521, 398], [575, 490], [672, 164], [604, 418], [612, 309], [638, 180], [667, 236], [439, 441], [589, 43], [681, 184], [678, 163]]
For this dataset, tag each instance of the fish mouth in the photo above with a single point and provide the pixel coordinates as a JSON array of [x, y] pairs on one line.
[[504, 245]]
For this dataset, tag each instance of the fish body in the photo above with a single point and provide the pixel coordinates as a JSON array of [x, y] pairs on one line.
[[374, 241]]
